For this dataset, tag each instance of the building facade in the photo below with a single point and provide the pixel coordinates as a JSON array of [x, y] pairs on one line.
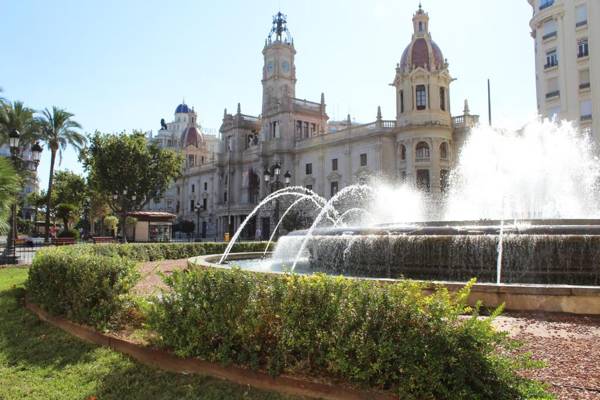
[[224, 181], [567, 60]]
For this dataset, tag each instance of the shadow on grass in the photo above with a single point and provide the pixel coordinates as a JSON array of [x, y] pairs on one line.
[[135, 382], [24, 339]]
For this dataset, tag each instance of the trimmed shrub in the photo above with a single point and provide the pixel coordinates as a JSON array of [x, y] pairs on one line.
[[70, 233], [390, 336], [170, 251], [82, 286]]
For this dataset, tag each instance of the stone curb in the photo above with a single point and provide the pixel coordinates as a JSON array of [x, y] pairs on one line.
[[167, 361]]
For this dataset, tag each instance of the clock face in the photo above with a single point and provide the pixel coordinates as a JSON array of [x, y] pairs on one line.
[[270, 67], [285, 66]]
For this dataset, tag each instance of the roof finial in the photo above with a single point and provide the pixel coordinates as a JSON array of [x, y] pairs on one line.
[[420, 6], [239, 109], [378, 113], [466, 111]]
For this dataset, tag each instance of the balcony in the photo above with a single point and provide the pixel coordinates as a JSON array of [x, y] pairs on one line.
[[586, 118], [583, 86], [551, 65], [581, 23], [555, 93], [550, 35]]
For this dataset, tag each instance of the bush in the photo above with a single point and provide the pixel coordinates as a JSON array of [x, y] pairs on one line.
[[170, 251], [75, 282], [69, 233], [390, 337]]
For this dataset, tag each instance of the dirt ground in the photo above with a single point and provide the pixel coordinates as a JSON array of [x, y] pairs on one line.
[[569, 345]]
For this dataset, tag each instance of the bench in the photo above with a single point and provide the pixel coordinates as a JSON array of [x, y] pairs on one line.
[[103, 239], [63, 241]]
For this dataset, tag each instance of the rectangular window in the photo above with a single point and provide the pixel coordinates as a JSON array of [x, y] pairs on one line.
[[552, 88], [205, 185], [586, 110], [443, 99], [444, 180], [554, 113], [551, 59], [313, 129], [402, 101], [225, 197], [193, 188], [581, 15], [423, 179], [306, 133], [549, 29], [334, 164], [192, 207], [308, 169], [421, 95], [299, 129], [545, 3], [584, 79], [582, 48], [363, 160], [204, 204], [334, 188]]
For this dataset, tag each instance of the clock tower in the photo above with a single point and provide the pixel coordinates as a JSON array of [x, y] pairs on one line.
[[279, 70]]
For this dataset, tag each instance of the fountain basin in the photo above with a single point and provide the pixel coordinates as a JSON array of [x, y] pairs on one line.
[[572, 299]]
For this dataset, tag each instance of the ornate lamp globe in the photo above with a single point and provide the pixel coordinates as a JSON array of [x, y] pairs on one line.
[[287, 177], [277, 168], [36, 152], [267, 175], [13, 139]]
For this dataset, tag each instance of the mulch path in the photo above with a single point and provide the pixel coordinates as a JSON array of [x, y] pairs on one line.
[[569, 345], [151, 280]]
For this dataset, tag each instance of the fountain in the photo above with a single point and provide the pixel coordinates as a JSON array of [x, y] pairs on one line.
[[522, 209]]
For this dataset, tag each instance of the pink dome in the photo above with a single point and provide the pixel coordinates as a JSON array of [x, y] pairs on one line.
[[420, 55], [191, 137]]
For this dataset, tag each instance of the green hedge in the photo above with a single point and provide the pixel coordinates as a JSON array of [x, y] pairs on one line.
[[90, 283], [74, 282], [384, 336], [170, 251]]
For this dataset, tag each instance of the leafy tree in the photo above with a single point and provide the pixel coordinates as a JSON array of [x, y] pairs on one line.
[[69, 188], [9, 187], [59, 130], [97, 207], [130, 167], [68, 213]]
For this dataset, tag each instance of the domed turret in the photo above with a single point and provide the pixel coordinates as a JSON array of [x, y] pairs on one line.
[[182, 109], [191, 137], [422, 52]]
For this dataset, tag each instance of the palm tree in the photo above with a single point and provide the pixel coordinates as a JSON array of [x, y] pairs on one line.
[[16, 116], [9, 187], [58, 132]]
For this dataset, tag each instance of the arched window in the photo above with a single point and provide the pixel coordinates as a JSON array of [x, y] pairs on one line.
[[402, 152], [422, 152], [444, 151]]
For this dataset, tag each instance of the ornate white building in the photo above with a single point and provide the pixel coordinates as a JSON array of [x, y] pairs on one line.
[[224, 176]]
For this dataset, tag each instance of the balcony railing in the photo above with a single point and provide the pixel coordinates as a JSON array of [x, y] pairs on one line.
[[549, 35], [586, 117], [555, 93], [551, 65], [583, 86], [581, 23]]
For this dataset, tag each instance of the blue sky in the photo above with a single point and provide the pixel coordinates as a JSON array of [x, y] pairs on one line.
[[123, 65]]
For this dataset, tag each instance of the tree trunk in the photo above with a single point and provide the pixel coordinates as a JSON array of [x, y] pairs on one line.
[[123, 227], [49, 193]]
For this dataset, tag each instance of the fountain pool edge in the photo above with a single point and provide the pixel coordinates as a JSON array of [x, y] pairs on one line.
[[581, 300]]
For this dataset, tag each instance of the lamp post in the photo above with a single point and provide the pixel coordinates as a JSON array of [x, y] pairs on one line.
[[275, 185], [10, 254], [198, 209]]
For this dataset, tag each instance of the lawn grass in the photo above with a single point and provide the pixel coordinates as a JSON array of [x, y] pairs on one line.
[[38, 361]]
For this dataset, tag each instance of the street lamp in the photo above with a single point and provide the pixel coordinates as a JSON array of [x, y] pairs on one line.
[[275, 171], [10, 255], [287, 177], [198, 209]]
